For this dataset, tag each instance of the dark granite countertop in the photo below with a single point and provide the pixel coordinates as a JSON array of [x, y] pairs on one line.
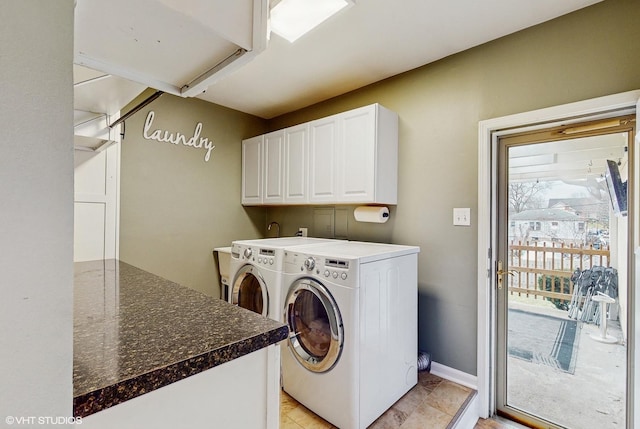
[[135, 332]]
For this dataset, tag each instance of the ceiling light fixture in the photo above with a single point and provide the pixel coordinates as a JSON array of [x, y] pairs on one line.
[[291, 19]]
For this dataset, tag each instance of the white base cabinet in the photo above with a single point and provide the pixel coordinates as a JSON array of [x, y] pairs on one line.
[[242, 393], [347, 158]]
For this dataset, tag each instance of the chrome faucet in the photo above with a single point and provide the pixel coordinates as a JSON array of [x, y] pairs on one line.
[[276, 224]]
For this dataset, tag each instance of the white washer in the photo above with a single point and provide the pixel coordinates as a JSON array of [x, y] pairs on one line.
[[352, 313], [255, 270]]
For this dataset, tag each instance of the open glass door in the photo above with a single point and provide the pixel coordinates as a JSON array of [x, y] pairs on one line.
[[634, 296], [562, 274]]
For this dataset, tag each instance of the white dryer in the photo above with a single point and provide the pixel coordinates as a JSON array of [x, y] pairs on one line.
[[255, 270], [351, 308]]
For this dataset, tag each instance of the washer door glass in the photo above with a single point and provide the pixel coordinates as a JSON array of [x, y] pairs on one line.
[[315, 325], [249, 291]]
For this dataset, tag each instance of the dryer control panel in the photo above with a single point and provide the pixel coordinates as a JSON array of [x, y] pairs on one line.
[[266, 256], [261, 256]]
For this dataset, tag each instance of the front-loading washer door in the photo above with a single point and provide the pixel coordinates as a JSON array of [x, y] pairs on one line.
[[316, 332], [250, 291]]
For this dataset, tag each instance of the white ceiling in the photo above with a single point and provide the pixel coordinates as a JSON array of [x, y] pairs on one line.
[[363, 44], [371, 41]]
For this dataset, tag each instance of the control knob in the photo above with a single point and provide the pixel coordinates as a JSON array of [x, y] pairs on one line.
[[247, 252], [309, 263]]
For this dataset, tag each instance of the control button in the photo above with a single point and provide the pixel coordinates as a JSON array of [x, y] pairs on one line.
[[335, 275], [327, 273], [259, 260], [343, 276], [270, 261]]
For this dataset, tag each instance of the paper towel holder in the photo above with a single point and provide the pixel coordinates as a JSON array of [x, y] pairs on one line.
[[373, 214]]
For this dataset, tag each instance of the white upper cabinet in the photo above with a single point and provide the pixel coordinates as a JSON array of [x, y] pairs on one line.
[[296, 146], [348, 158], [205, 40], [356, 156], [323, 156], [252, 171], [368, 156], [273, 152]]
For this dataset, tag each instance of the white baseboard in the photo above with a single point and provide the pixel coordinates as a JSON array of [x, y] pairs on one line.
[[452, 374]]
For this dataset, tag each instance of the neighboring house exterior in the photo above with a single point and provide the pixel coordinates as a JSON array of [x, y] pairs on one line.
[[549, 225], [595, 210]]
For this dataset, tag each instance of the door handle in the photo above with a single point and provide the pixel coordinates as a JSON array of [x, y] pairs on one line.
[[500, 273]]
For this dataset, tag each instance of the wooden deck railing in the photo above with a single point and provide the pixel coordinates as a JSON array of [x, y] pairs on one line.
[[545, 269]]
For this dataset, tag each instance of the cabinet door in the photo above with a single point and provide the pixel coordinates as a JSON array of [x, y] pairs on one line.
[[356, 155], [323, 140], [252, 171], [273, 171], [295, 163]]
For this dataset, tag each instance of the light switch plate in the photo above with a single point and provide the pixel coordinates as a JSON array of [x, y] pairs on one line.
[[462, 216]]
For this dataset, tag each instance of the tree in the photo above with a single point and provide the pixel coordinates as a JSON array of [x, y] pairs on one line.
[[526, 196]]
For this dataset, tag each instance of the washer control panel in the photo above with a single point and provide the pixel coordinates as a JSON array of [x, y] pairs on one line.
[[335, 269]]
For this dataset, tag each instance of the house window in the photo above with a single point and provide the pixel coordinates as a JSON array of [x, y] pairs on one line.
[[554, 225], [580, 226], [535, 226], [513, 224]]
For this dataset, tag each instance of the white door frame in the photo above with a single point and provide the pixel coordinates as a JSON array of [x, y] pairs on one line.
[[602, 107]]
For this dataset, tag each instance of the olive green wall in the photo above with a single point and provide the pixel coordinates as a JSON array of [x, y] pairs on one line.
[[175, 207], [589, 53]]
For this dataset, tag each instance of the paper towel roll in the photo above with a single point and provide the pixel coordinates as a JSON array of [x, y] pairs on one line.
[[371, 214]]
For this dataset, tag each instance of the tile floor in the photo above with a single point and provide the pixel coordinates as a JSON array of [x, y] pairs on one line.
[[432, 404]]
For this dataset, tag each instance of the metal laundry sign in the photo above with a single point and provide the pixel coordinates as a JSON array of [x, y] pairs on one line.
[[195, 141]]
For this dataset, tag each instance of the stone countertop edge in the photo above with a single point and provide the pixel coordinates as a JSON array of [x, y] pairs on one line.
[[135, 332], [101, 399]]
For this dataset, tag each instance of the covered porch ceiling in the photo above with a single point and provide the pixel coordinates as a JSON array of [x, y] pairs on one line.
[[575, 161]]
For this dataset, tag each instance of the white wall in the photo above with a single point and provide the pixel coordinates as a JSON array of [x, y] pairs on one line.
[[96, 203], [36, 219]]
